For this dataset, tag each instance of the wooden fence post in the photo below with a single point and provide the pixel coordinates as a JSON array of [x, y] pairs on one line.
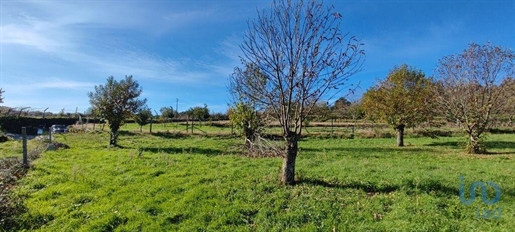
[[24, 137], [332, 126], [151, 121]]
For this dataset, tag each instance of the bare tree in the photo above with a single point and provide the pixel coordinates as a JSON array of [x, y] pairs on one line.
[[508, 98], [469, 88], [1, 97], [302, 54]]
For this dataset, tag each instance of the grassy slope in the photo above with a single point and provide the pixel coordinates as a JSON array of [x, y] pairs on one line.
[[196, 183]]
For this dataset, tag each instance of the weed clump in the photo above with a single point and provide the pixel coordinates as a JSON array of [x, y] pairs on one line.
[[263, 148], [434, 133], [4, 138], [56, 146], [11, 170]]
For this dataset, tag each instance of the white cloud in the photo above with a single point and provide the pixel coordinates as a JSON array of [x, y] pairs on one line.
[[72, 31], [31, 84], [27, 36], [52, 48], [56, 83]]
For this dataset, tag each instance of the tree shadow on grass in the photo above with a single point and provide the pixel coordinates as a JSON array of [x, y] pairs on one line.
[[409, 186], [507, 192], [489, 145], [184, 150], [412, 186], [452, 144], [365, 150], [169, 135], [502, 131], [500, 145], [126, 133], [365, 186]]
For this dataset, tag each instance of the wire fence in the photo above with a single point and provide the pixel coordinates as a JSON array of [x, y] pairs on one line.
[[13, 167], [342, 129]]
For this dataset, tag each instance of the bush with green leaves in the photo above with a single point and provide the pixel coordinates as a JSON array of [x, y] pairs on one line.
[[247, 122]]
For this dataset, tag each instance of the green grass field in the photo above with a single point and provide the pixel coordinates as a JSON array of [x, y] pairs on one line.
[[166, 182], [14, 148], [314, 129]]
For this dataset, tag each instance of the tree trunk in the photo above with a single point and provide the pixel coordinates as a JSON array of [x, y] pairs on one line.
[[113, 135], [140, 128], [249, 138], [250, 134], [288, 169], [400, 135], [151, 121], [112, 138], [475, 146]]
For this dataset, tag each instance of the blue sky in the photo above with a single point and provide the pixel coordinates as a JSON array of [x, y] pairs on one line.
[[53, 52]]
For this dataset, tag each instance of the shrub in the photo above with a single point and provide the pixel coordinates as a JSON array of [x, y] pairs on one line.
[[433, 133], [4, 138]]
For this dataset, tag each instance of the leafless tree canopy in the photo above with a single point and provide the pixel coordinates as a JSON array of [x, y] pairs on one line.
[[469, 91], [293, 55], [299, 54]]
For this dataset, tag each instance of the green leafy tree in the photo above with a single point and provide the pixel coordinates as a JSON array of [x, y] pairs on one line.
[[247, 122], [340, 108], [469, 90], [341, 103], [167, 112], [356, 111], [320, 112], [117, 101], [303, 56], [198, 113], [403, 99], [143, 117]]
